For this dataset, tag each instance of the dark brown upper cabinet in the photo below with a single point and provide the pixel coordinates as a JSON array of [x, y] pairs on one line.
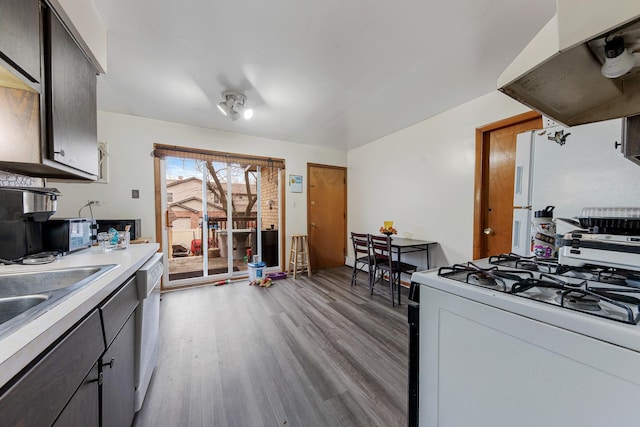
[[48, 105], [20, 36], [70, 99]]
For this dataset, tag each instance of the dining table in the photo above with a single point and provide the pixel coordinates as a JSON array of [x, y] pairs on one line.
[[405, 245]]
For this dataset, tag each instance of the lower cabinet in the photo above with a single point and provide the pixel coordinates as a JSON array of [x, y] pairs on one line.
[[118, 382], [117, 363], [84, 407], [86, 378], [41, 393]]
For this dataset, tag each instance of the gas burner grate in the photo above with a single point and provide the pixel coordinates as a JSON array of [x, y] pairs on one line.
[[532, 263], [608, 303], [583, 300], [491, 277], [602, 274]]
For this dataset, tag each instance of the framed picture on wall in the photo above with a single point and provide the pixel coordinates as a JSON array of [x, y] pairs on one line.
[[295, 183]]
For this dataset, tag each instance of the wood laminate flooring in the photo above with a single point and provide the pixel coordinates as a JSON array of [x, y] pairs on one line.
[[305, 352]]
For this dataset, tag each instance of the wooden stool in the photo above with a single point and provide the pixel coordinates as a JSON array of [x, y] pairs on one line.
[[299, 256]]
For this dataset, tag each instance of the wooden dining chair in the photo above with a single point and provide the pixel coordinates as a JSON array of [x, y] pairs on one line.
[[362, 256], [380, 249]]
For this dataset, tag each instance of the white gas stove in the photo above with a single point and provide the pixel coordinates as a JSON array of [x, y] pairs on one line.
[[520, 341]]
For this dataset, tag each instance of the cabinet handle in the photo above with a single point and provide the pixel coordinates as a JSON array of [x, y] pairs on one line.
[[97, 380], [61, 152], [111, 363]]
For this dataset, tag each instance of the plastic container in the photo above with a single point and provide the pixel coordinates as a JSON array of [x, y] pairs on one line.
[[614, 220], [256, 270], [113, 240], [543, 233]]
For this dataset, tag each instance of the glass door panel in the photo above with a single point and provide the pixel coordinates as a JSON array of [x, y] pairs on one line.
[[183, 187], [216, 184], [269, 223], [243, 197]]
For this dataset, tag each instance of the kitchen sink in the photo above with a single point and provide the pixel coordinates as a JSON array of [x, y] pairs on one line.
[[24, 296], [13, 306], [18, 284]]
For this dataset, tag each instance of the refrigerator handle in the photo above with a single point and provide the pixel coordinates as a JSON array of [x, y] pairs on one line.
[[516, 234], [518, 185]]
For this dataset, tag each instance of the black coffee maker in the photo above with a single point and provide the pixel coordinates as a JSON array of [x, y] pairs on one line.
[[22, 212]]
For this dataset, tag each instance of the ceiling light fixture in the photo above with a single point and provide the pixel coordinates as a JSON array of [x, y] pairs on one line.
[[233, 106], [618, 61]]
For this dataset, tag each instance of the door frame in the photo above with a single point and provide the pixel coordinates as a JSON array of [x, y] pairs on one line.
[[344, 231], [479, 198]]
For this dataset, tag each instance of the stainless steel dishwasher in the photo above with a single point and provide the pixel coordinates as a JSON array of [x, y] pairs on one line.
[[147, 324]]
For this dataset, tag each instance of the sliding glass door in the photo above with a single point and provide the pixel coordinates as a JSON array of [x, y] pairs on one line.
[[219, 215], [233, 221]]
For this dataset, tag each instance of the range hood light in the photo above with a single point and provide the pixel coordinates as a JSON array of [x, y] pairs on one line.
[[618, 60]]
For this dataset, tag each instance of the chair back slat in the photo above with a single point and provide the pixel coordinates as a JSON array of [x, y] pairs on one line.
[[360, 244], [380, 247]]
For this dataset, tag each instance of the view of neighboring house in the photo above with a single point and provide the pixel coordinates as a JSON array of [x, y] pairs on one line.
[[184, 203]]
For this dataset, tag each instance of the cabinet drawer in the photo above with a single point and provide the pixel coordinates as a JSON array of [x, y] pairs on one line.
[[117, 309], [39, 396]]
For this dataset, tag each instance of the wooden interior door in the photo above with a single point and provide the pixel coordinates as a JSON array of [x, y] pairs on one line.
[[495, 173], [327, 215]]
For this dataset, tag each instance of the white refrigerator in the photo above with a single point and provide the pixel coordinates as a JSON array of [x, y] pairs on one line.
[[570, 168]]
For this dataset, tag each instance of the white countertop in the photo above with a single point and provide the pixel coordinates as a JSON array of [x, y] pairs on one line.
[[23, 344]]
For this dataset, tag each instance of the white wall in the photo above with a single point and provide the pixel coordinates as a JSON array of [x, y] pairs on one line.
[[131, 141], [422, 178]]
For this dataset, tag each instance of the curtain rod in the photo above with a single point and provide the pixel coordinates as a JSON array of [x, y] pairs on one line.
[[213, 153]]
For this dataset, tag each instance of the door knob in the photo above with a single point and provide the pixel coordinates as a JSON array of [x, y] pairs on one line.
[[488, 231], [313, 224]]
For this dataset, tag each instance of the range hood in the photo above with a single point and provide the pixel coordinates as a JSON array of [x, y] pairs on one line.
[[559, 71]]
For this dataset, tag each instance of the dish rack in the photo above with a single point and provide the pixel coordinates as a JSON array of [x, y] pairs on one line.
[[615, 220]]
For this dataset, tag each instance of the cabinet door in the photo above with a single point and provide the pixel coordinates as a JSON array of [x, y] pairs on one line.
[[39, 395], [71, 100], [84, 408], [20, 118], [118, 386], [20, 36]]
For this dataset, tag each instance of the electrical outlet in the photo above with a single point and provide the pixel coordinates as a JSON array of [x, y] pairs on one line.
[[95, 202]]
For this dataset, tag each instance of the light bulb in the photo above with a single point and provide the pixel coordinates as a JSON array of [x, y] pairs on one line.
[[248, 113], [618, 61], [223, 108]]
